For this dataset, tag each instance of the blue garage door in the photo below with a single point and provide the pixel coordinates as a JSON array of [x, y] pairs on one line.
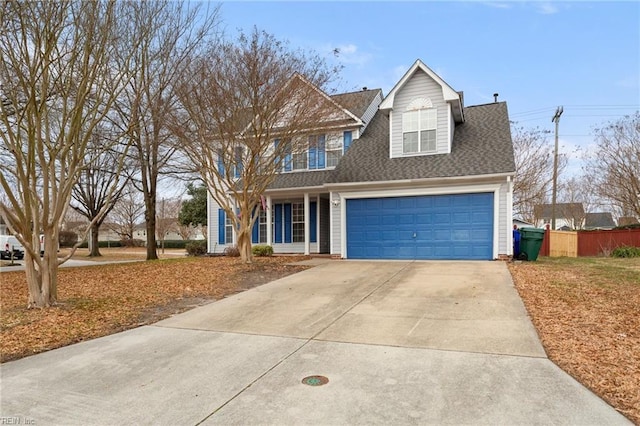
[[426, 227]]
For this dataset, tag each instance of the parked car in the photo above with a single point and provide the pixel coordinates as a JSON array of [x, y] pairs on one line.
[[10, 245]]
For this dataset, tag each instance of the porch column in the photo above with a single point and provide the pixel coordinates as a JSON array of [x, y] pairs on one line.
[[307, 225], [269, 219]]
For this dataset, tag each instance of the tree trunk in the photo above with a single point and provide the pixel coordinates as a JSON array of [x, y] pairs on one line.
[[244, 239], [95, 247], [150, 218], [43, 282]]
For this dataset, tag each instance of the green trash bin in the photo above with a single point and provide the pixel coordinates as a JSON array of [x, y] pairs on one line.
[[530, 243]]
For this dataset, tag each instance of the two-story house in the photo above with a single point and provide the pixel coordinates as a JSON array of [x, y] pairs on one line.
[[416, 175]]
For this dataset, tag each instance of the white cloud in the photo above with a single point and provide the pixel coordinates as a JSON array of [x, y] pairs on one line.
[[498, 5], [546, 8]]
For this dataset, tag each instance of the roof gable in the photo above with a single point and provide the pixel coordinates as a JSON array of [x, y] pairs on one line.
[[356, 102], [563, 210], [485, 131], [450, 96], [599, 220]]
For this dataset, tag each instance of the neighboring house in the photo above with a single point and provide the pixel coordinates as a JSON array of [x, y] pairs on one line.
[[416, 175], [568, 215], [627, 220], [602, 220], [522, 224], [172, 234]]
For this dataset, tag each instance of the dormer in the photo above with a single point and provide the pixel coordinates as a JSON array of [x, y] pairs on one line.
[[423, 111]]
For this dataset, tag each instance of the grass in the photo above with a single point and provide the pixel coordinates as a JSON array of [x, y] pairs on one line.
[[107, 298], [587, 313]]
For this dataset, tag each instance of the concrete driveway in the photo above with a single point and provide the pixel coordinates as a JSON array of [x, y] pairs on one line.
[[399, 342]]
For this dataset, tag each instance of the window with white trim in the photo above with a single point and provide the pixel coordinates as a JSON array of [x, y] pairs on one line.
[[300, 160], [262, 227], [419, 131], [334, 150], [228, 230], [297, 222]]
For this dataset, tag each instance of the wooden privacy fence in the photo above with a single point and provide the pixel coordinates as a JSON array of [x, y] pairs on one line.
[[587, 243], [563, 243], [602, 243]]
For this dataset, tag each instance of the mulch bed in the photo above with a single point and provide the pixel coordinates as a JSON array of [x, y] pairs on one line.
[[588, 318], [100, 300]]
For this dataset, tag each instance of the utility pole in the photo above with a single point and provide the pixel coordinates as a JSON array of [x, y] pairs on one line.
[[555, 119]]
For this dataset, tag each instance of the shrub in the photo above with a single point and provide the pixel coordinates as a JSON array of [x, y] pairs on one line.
[[626, 252], [127, 242], [174, 244], [102, 244], [196, 248], [232, 251], [67, 238], [262, 250]]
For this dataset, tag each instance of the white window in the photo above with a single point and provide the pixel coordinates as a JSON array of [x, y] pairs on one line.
[[228, 230], [297, 222], [262, 227], [300, 161], [419, 131], [334, 150]]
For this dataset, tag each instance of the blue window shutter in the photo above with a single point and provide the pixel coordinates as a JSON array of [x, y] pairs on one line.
[[221, 225], [255, 239], [220, 165], [312, 221], [287, 223], [321, 162], [277, 235], [347, 140]]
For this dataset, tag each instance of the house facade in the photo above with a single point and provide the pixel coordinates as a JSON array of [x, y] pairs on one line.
[[569, 216], [413, 175]]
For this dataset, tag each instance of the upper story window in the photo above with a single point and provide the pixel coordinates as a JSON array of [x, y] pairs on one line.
[[322, 151], [419, 131]]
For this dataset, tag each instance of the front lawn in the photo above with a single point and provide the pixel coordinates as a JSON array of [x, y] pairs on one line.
[[587, 313], [104, 299]]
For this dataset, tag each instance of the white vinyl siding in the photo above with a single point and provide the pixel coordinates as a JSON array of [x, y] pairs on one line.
[[420, 85], [370, 112]]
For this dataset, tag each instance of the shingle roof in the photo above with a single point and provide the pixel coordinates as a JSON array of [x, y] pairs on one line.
[[599, 220], [627, 220], [481, 145], [356, 102], [566, 210], [301, 179]]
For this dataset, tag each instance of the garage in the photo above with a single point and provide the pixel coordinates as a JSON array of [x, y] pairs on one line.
[[458, 226]]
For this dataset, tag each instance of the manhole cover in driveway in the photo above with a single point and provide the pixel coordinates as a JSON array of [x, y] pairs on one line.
[[315, 380]]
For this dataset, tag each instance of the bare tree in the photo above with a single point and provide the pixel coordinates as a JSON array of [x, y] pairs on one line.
[[247, 107], [534, 170], [169, 33], [167, 219], [100, 185], [614, 167], [127, 212], [56, 84], [185, 231]]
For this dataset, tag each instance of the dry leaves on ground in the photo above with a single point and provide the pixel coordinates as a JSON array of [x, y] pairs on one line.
[[587, 313], [100, 300]]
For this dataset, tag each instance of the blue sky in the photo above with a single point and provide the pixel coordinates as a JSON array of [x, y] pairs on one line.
[[537, 55]]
